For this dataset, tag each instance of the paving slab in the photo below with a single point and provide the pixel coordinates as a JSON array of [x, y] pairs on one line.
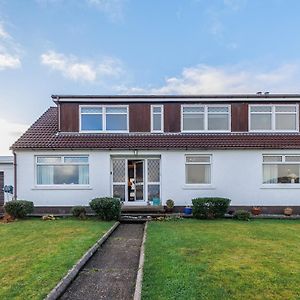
[[111, 272]]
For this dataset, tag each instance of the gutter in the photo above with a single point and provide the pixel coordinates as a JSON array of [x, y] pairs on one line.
[[178, 98]]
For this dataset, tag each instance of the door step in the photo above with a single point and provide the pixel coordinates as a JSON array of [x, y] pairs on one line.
[[142, 209]]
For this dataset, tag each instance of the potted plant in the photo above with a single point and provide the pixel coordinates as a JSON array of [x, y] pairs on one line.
[[169, 205], [256, 210], [188, 210], [288, 211]]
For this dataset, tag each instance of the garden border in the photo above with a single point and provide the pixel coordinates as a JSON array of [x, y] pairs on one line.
[[140, 273], [62, 285]]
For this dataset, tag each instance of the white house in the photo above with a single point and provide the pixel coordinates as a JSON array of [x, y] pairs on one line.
[[6, 177], [243, 147]]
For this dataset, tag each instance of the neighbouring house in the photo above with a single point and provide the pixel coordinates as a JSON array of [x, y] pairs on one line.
[[244, 147], [6, 179]]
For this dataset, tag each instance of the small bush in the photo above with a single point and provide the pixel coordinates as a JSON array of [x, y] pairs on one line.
[[242, 215], [79, 212], [210, 208], [19, 208], [170, 203], [106, 208]]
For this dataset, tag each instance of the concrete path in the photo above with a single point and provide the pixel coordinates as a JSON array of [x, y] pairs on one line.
[[111, 272]]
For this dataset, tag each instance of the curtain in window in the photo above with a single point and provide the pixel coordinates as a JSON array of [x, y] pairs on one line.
[[45, 174], [270, 174], [83, 175], [207, 174]]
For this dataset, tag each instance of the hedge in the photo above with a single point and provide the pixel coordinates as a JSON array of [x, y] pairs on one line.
[[106, 208], [210, 208]]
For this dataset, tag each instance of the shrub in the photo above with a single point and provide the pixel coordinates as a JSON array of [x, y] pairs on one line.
[[106, 208], [19, 208], [79, 212], [210, 208], [170, 203], [242, 215]]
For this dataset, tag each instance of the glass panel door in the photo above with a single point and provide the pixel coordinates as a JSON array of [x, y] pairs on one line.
[[119, 178], [139, 180], [153, 172]]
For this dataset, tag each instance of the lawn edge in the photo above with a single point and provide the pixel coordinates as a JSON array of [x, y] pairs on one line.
[[62, 285], [140, 273]]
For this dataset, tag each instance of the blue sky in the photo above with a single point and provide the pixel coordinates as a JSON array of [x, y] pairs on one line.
[[133, 46]]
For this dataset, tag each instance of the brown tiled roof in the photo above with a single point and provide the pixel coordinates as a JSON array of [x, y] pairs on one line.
[[43, 134]]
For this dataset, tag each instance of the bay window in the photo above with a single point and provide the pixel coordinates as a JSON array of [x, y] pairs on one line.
[[104, 119], [281, 169], [198, 169], [273, 118], [62, 170], [197, 118]]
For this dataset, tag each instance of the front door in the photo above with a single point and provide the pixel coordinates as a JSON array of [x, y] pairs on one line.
[[135, 180], [139, 180]]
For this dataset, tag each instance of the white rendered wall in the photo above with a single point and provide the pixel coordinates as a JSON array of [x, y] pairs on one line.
[[236, 174], [8, 170]]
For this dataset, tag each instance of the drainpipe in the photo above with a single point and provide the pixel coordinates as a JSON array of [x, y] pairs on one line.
[[15, 175]]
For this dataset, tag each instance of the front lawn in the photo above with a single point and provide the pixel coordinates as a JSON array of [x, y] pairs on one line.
[[36, 254], [222, 259]]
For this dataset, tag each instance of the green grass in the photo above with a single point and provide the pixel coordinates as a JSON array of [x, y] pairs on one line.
[[36, 254], [222, 259]]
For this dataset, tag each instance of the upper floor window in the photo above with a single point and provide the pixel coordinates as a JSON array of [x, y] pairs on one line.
[[157, 118], [104, 118], [273, 118], [62, 170], [205, 118], [281, 169]]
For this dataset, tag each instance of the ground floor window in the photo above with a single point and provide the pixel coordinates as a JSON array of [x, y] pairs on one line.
[[281, 169], [62, 170], [198, 169]]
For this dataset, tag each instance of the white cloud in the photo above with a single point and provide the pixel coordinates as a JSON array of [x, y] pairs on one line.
[[112, 8], [9, 133], [73, 68], [8, 61], [235, 4], [3, 33], [204, 79], [9, 51]]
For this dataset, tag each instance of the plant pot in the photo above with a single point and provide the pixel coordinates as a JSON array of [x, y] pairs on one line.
[[256, 211], [187, 211], [288, 211]]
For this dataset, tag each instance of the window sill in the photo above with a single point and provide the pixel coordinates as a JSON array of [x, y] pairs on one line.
[[198, 187], [62, 187], [281, 186]]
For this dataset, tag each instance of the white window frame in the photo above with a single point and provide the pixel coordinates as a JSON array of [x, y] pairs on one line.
[[104, 107], [282, 162], [273, 117], [62, 157], [206, 106], [162, 117], [186, 184]]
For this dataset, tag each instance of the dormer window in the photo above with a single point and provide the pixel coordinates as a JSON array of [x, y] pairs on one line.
[[197, 118], [157, 118], [273, 118], [104, 118]]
